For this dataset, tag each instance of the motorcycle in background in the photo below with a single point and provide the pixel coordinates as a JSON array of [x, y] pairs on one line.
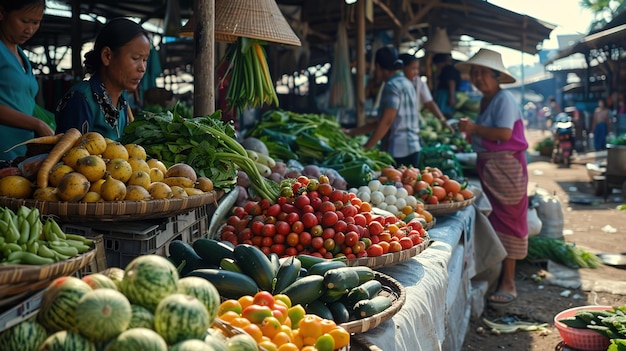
[[563, 134]]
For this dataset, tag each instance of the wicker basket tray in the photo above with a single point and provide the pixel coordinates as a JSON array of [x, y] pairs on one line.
[[390, 258], [114, 211], [444, 209], [391, 288], [17, 281]]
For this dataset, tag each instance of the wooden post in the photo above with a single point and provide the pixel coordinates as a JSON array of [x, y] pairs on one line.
[[204, 59], [77, 65], [360, 64]]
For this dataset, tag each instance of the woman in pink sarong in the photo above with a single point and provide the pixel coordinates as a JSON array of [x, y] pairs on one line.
[[498, 138]]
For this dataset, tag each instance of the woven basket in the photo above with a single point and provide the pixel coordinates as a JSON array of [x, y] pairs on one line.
[[17, 281], [391, 288], [389, 259], [444, 209], [113, 211], [259, 19], [581, 339]]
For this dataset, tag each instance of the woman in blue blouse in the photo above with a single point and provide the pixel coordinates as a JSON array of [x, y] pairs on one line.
[[19, 21], [117, 63]]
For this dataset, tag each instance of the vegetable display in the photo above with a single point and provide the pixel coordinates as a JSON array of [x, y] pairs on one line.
[[610, 323]]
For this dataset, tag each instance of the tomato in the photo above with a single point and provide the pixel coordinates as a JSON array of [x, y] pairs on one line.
[[328, 233], [317, 230], [340, 238], [349, 210], [324, 189], [268, 229], [270, 326], [280, 312], [305, 239], [229, 305], [244, 235], [257, 313], [302, 200], [329, 244], [253, 208], [367, 242], [309, 220], [329, 219], [351, 238], [304, 180], [374, 250], [293, 239], [395, 246], [278, 249], [317, 242], [291, 251], [267, 241], [340, 226], [279, 238], [288, 208], [282, 227], [406, 243], [375, 228], [358, 247], [327, 206]]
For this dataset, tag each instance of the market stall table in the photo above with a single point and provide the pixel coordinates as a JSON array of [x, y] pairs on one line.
[[437, 310]]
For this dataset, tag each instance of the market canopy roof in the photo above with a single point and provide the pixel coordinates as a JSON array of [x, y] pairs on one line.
[[410, 18]]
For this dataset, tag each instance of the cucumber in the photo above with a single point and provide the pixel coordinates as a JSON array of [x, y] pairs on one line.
[[367, 308], [339, 311], [181, 251], [322, 267], [231, 285], [230, 265], [344, 278], [308, 260], [365, 273], [212, 250], [305, 290], [254, 263], [287, 274], [318, 308], [332, 295], [365, 291]]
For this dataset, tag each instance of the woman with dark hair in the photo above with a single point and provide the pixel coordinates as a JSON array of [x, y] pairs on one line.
[[19, 21], [600, 125], [398, 122], [116, 64]]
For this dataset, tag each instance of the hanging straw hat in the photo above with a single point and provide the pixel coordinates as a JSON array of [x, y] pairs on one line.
[[439, 43], [258, 19], [490, 59]]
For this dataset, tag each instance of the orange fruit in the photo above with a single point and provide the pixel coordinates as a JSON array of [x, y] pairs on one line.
[[452, 186], [439, 192], [427, 177]]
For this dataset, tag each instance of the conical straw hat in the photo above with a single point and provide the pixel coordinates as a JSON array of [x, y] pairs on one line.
[[439, 43], [256, 19], [490, 59]]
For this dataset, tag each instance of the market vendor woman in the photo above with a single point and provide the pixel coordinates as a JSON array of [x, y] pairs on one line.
[[19, 21], [498, 138], [116, 64]]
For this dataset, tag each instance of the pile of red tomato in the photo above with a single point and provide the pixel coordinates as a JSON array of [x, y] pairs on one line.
[[311, 217]]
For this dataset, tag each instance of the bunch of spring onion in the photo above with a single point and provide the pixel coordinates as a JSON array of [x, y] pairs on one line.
[[247, 75]]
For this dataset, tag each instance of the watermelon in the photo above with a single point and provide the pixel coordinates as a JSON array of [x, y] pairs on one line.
[[148, 279], [216, 340], [58, 304], [141, 318], [242, 342], [138, 339], [27, 336], [191, 345], [204, 291], [99, 280], [181, 317], [103, 314], [116, 274], [67, 341]]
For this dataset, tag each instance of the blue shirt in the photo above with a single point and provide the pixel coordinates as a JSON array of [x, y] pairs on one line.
[[402, 138], [18, 88], [88, 107]]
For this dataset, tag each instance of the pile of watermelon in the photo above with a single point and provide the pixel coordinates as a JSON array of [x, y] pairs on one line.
[[144, 307]]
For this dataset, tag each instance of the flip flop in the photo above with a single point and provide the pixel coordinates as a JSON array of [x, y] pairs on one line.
[[506, 299]]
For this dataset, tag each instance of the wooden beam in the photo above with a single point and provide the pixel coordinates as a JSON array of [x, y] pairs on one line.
[[204, 59], [393, 17], [360, 64]]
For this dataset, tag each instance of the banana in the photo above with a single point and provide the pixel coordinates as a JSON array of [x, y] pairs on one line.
[[182, 182], [193, 191]]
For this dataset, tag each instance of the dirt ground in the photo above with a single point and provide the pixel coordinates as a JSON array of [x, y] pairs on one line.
[[588, 222]]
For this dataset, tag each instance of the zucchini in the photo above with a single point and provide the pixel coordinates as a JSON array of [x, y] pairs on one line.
[[231, 285], [181, 251], [275, 262], [365, 273], [308, 260], [339, 311], [287, 274], [305, 290], [370, 307], [332, 295], [365, 291], [212, 250], [255, 264], [318, 308], [344, 278], [322, 267], [230, 265]]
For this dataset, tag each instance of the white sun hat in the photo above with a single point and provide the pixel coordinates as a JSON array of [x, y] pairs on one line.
[[490, 59]]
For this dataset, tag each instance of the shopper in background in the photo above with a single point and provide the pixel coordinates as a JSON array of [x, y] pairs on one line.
[[448, 83], [19, 21], [116, 64], [498, 138], [398, 118], [424, 98], [601, 125]]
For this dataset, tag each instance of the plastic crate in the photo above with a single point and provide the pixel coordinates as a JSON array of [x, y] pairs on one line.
[[184, 221], [21, 312], [123, 241]]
